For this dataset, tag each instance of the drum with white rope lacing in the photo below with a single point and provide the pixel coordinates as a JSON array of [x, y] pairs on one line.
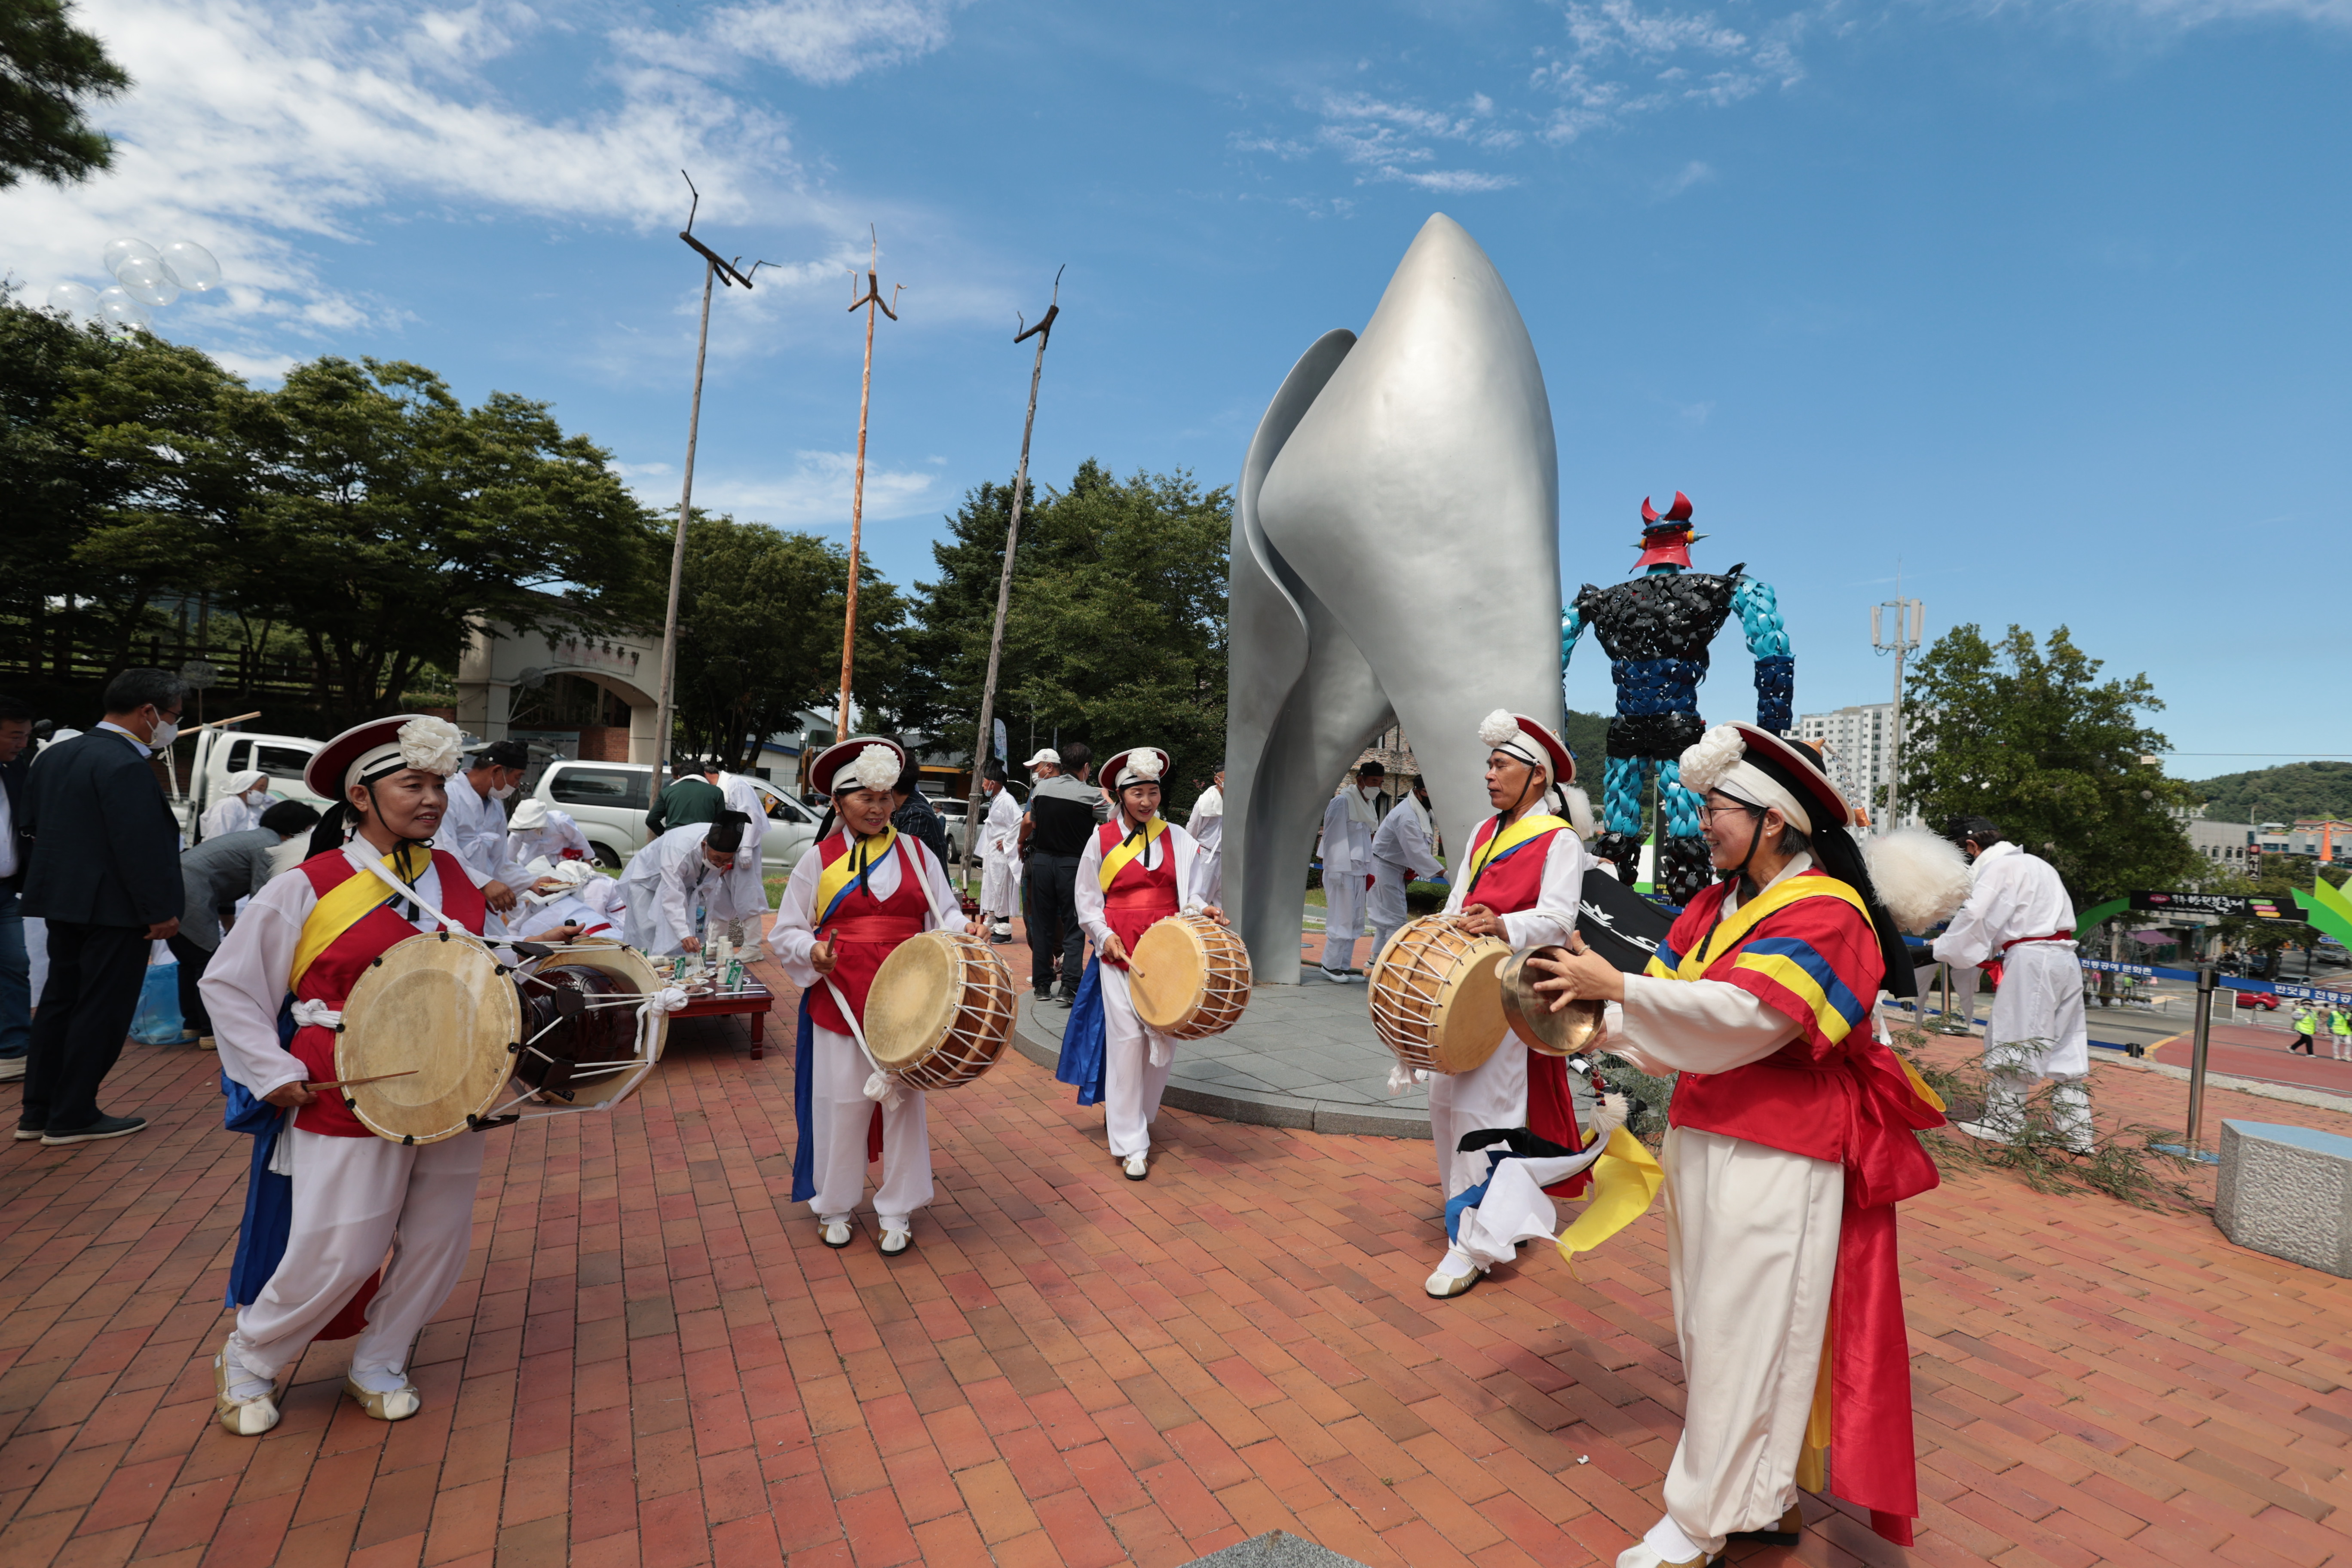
[[445, 1033]]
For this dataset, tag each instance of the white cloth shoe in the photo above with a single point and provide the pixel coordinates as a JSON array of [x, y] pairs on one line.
[[1980, 1130], [835, 1233], [1137, 1167], [1642, 1554], [249, 1417], [391, 1404], [1455, 1275], [895, 1239]]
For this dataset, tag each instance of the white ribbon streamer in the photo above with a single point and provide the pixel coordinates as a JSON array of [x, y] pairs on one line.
[[316, 1015]]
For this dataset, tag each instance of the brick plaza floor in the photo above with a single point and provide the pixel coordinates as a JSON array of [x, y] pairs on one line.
[[652, 1360]]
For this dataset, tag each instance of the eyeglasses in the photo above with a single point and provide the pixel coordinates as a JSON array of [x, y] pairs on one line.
[[1712, 812]]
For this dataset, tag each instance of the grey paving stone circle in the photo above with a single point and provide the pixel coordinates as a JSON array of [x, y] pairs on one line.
[[1276, 1549]]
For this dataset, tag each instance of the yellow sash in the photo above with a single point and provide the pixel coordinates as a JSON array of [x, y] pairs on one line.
[[833, 882], [346, 904], [1729, 933], [1128, 848], [1510, 838]]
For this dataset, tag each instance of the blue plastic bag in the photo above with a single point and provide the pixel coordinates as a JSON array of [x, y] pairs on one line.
[[158, 1022]]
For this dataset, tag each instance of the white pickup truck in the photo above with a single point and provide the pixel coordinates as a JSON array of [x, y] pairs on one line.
[[221, 754], [609, 800]]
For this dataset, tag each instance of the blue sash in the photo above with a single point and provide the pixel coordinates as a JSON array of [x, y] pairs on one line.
[[269, 1197], [1082, 1039], [804, 1154]]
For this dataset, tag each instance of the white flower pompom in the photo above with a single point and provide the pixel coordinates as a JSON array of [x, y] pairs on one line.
[[1497, 728], [1144, 764], [1580, 812], [1920, 877], [1718, 751], [876, 768], [433, 745]]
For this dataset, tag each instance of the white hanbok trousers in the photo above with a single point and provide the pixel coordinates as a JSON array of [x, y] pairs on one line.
[[1751, 1254], [1343, 918], [1000, 888], [1387, 904], [1495, 1095], [2038, 1028], [839, 1114], [1132, 1084], [354, 1200]]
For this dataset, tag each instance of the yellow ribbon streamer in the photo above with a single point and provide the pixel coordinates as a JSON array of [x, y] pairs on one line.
[[1624, 1181]]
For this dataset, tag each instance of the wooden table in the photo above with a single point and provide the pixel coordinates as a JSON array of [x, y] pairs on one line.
[[752, 999]]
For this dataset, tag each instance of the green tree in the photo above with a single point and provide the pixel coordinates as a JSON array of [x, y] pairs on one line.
[[2028, 737], [1117, 628], [394, 522], [2281, 794], [760, 634], [50, 70], [122, 462]]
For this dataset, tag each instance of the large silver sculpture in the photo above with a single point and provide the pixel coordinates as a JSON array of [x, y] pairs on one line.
[[1395, 556]]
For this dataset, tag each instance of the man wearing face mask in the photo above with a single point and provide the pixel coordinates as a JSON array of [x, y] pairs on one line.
[[705, 865], [1350, 823], [239, 809], [105, 875], [475, 829]]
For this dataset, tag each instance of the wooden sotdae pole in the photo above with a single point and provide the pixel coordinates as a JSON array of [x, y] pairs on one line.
[[984, 744], [872, 300], [662, 708]]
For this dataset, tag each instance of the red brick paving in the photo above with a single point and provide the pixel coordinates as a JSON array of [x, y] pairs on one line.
[[651, 1362], [2245, 1050]]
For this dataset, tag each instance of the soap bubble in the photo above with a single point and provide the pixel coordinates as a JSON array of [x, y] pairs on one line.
[[191, 266], [119, 251], [79, 301], [147, 280], [121, 311]]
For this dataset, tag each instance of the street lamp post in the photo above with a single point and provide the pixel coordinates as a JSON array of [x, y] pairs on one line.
[[1896, 634]]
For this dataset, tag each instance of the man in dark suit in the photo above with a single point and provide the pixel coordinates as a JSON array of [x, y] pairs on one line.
[[15, 968], [105, 875]]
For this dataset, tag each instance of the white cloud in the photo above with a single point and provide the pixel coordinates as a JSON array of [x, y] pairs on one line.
[[1623, 61], [815, 494], [1690, 173], [822, 41], [275, 131]]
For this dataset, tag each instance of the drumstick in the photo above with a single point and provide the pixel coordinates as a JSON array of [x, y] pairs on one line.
[[355, 1082]]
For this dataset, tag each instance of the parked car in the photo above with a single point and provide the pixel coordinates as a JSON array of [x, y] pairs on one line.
[[609, 800], [2263, 999]]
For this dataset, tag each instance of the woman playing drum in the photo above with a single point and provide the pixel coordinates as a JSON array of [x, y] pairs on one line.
[[1135, 870], [275, 992], [1521, 881], [857, 894]]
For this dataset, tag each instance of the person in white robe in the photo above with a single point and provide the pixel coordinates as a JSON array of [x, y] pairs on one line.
[[744, 795], [539, 832], [845, 1085], [1349, 823], [1401, 853], [475, 828], [1207, 825], [239, 807], [568, 898], [689, 881], [2019, 916], [356, 1199], [1000, 858]]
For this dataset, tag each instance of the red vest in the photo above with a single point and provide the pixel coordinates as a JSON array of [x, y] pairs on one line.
[[1138, 898], [337, 969], [863, 929]]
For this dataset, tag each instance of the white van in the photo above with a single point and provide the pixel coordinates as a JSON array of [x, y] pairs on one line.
[[609, 800]]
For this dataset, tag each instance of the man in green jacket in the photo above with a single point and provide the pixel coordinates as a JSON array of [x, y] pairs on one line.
[[693, 796], [2306, 1026], [2339, 1023]]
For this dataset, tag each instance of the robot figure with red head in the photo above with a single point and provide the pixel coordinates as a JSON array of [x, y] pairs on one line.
[[1655, 629]]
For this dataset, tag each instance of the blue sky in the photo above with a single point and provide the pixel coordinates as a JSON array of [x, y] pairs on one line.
[[2045, 302]]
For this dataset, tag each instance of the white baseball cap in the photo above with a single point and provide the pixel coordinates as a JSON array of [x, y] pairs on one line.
[[1047, 755]]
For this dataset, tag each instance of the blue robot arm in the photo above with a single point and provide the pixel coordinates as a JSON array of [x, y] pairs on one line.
[[1767, 640]]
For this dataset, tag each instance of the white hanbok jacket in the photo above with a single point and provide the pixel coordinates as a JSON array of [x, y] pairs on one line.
[[561, 833], [669, 878], [474, 829]]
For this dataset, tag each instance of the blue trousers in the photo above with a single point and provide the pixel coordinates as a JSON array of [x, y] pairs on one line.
[[16, 979]]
